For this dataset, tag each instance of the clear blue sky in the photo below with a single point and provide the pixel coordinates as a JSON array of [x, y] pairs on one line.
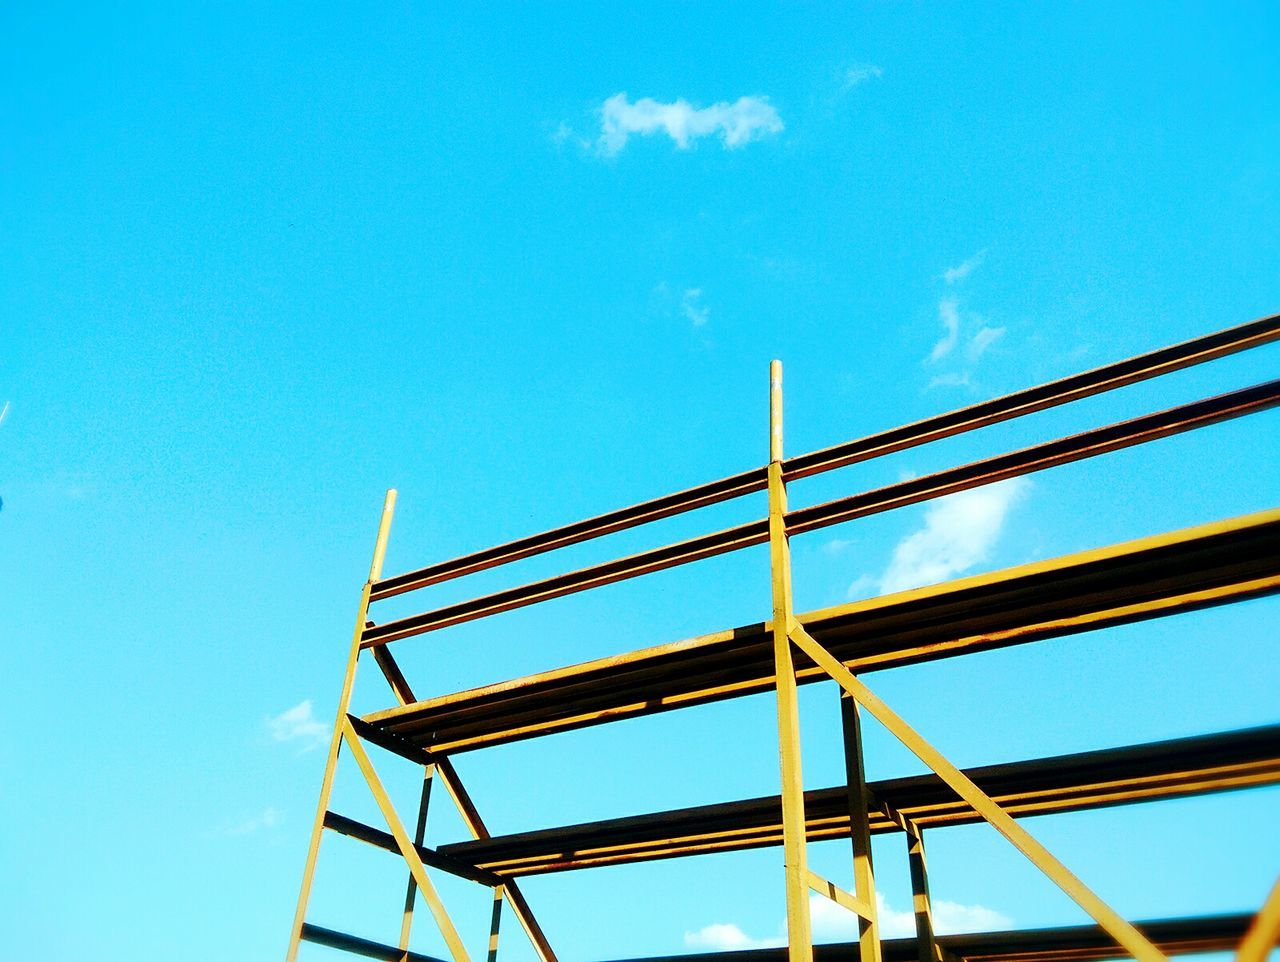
[[260, 262]]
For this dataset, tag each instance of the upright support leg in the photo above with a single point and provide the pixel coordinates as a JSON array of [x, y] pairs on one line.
[[799, 934], [494, 921], [859, 830], [419, 838], [335, 742], [926, 944], [1133, 941]]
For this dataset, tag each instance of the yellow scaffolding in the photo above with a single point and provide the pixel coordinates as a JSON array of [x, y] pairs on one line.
[[1213, 564]]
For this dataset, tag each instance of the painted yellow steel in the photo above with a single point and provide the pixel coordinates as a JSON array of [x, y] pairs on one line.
[[1117, 927], [842, 898], [495, 920], [860, 803], [470, 816], [419, 837], [922, 906], [799, 932], [405, 843], [1264, 934], [335, 742]]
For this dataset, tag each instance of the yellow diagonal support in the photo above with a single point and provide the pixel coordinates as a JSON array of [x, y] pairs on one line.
[[1129, 937], [405, 844], [467, 809], [842, 898], [1264, 933]]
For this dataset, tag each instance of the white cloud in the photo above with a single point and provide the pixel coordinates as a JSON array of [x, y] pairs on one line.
[[832, 923], [724, 936], [949, 315], [959, 532], [966, 337], [692, 308], [738, 123], [979, 343], [953, 275], [861, 73], [954, 379], [269, 818], [298, 724]]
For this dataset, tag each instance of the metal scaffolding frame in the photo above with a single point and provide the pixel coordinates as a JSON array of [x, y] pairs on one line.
[[1209, 565]]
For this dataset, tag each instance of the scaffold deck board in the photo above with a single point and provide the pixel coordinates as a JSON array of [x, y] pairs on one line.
[[1077, 943], [1180, 571], [1065, 783]]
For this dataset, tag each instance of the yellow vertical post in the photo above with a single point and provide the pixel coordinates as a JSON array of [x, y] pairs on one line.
[[799, 934], [335, 742], [494, 921], [859, 829], [926, 943], [419, 838]]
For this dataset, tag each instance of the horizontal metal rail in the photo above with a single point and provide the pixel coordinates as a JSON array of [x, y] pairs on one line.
[[1075, 943], [1178, 768], [1038, 457], [385, 840], [1158, 576], [1041, 397], [355, 945]]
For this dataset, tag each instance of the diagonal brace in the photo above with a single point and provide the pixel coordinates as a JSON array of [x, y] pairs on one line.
[[467, 809], [1117, 927], [1264, 933], [405, 843]]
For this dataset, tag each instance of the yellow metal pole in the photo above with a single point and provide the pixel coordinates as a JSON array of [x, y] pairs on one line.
[[799, 934], [494, 921], [1264, 933], [405, 844], [864, 881], [335, 742], [1133, 941], [419, 837], [926, 943]]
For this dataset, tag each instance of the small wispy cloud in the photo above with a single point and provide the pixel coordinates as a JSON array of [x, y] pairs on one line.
[[949, 315], [725, 936], [737, 123], [954, 275], [959, 531], [693, 309], [966, 336], [268, 818], [953, 379], [838, 545], [833, 923], [861, 73], [299, 724], [983, 339]]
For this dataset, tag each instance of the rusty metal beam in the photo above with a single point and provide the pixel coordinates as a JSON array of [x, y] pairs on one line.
[[1177, 768], [1112, 437], [1151, 577], [1086, 384], [1076, 943]]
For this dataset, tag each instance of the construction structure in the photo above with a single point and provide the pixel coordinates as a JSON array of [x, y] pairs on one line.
[[1214, 564]]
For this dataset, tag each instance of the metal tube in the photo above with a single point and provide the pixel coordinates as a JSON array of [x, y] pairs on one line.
[[1041, 397], [335, 741]]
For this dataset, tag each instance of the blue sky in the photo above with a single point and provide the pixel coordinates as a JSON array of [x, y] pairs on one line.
[[261, 262]]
